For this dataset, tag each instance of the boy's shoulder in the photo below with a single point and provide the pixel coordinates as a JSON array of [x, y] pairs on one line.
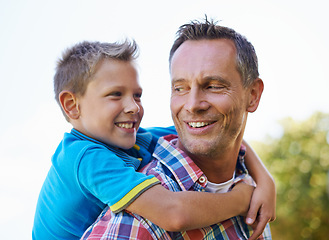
[[77, 139], [158, 131], [75, 142], [75, 150], [151, 136]]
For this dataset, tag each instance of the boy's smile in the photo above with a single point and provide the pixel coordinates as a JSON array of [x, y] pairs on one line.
[[127, 125], [111, 108]]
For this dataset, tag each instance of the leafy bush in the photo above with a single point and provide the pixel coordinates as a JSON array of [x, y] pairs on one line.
[[299, 162]]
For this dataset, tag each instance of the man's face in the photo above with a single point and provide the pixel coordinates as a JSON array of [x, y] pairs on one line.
[[208, 100], [111, 108]]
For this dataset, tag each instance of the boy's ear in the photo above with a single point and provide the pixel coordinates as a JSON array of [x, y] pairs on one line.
[[256, 90], [69, 104]]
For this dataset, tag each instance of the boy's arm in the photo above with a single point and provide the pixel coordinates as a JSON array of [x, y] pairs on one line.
[[107, 177], [262, 206], [186, 210]]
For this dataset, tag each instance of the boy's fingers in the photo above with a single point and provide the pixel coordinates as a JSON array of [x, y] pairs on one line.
[[250, 220], [259, 229], [252, 214]]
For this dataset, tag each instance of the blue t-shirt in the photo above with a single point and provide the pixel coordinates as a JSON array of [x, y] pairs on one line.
[[85, 176]]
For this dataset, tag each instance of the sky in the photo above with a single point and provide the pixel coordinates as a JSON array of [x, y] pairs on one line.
[[290, 37]]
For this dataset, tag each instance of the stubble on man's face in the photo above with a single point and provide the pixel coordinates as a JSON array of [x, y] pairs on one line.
[[208, 99]]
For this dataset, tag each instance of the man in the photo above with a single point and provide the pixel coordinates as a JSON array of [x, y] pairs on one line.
[[215, 84]]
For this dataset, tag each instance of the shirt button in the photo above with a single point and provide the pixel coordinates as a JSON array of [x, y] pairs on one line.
[[202, 179]]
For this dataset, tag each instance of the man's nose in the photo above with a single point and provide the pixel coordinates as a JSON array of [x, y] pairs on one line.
[[196, 101], [131, 106]]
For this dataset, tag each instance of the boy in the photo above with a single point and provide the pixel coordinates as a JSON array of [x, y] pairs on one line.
[[96, 85]]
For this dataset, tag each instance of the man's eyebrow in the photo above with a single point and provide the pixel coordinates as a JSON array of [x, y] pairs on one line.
[[204, 79], [217, 79], [178, 80]]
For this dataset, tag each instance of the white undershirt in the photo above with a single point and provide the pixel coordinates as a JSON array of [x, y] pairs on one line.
[[220, 187]]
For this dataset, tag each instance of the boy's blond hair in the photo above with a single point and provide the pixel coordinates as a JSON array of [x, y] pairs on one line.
[[78, 64]]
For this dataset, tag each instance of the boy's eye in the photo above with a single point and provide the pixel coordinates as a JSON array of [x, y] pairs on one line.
[[138, 96]]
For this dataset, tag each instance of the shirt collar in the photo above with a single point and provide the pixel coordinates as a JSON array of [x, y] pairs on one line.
[[132, 157], [143, 139], [185, 171]]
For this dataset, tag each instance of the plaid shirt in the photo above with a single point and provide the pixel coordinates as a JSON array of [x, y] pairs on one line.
[[177, 172]]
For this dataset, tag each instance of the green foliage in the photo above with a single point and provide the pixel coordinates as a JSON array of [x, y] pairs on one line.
[[299, 162]]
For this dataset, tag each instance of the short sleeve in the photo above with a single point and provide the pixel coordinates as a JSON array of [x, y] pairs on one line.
[[107, 177]]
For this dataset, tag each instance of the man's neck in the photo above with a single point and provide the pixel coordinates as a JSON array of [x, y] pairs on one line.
[[220, 168]]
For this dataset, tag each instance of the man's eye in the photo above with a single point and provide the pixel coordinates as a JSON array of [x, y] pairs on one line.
[[215, 87], [178, 89], [115, 94]]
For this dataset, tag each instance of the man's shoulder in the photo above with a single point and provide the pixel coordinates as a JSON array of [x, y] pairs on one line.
[[157, 169], [108, 223]]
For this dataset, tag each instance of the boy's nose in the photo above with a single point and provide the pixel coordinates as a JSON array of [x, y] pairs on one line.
[[131, 107]]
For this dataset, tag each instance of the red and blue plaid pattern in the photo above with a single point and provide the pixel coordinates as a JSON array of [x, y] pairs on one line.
[[177, 172]]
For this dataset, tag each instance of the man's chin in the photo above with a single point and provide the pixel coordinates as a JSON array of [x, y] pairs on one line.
[[199, 148]]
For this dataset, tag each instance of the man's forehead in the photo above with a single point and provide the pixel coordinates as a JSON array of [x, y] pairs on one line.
[[200, 51], [206, 45], [204, 58]]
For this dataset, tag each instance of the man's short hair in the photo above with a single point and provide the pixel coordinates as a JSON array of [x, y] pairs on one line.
[[246, 59]]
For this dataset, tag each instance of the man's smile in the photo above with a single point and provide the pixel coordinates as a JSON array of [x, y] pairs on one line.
[[199, 124]]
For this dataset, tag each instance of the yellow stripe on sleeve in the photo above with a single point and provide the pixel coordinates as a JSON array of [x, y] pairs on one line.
[[136, 147], [133, 194]]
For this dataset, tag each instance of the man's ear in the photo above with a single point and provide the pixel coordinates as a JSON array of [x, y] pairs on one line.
[[69, 104], [256, 90]]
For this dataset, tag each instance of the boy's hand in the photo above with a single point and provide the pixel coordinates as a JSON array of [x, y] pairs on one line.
[[262, 208], [245, 189]]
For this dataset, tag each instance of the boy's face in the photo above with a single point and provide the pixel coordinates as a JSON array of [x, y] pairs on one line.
[[111, 108]]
